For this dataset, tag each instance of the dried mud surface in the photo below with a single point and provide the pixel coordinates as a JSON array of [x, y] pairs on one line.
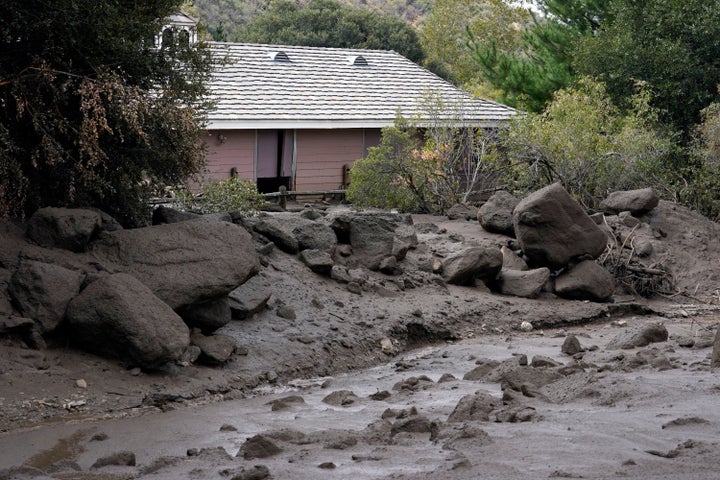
[[630, 414]]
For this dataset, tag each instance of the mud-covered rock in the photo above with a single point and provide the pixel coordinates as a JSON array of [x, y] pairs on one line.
[[585, 281], [496, 215], [476, 407], [319, 261], [637, 202], [214, 349], [42, 291], [207, 316], [163, 214], [258, 446], [460, 211], [118, 316], [67, 228], [552, 228], [249, 298], [183, 263], [639, 336], [522, 283], [464, 267], [511, 260], [315, 236]]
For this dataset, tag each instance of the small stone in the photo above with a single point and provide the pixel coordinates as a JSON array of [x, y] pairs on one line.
[[387, 346], [327, 465], [286, 312], [80, 383], [526, 327], [135, 371], [571, 345], [226, 427]]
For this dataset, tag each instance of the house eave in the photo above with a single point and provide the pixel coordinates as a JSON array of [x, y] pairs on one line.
[[327, 124]]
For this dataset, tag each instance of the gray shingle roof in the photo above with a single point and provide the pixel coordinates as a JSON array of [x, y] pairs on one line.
[[330, 88]]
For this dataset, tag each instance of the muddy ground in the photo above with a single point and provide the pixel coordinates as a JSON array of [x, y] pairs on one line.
[[59, 404]]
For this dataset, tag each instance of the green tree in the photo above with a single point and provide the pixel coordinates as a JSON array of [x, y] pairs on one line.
[[591, 147], [670, 45], [327, 23], [91, 112], [444, 36], [528, 76]]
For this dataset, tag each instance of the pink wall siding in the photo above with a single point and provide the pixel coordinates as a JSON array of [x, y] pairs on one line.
[[237, 150], [321, 155]]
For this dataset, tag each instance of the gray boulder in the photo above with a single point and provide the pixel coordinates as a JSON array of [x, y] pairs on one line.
[[552, 228], [460, 211], [511, 260], [315, 236], [464, 267], [374, 237], [118, 316], [639, 336], [183, 263], [585, 281], [214, 349], [67, 228], [207, 316], [319, 261], [496, 215], [477, 407], [42, 291], [636, 202], [523, 283], [162, 215], [280, 232], [249, 298]]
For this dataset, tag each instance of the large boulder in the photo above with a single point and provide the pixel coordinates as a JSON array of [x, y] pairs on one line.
[[70, 229], [207, 316], [552, 228], [585, 281], [374, 237], [636, 202], [42, 291], [315, 236], [461, 211], [522, 283], [280, 232], [183, 263], [496, 215], [163, 214], [464, 267], [214, 349], [118, 316]]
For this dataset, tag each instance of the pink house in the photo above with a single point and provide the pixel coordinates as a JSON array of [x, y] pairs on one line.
[[297, 116]]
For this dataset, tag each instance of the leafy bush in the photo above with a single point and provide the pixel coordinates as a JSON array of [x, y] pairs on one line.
[[227, 195], [424, 169], [702, 190], [592, 148]]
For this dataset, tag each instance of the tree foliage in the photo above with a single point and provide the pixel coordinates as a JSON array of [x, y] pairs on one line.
[[591, 147], [528, 76], [670, 45], [425, 165], [444, 35], [91, 113], [328, 23]]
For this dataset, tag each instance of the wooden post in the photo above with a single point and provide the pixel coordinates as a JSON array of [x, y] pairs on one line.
[[282, 200]]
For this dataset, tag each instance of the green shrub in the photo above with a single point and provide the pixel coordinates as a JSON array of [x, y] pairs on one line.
[[424, 169], [227, 195], [591, 147]]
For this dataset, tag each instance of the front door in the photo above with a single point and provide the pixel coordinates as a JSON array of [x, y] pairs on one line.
[[274, 159]]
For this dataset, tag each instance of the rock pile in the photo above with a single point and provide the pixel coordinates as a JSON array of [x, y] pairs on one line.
[[129, 294]]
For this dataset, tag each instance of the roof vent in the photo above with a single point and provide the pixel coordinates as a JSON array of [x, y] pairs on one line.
[[280, 57], [358, 60]]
